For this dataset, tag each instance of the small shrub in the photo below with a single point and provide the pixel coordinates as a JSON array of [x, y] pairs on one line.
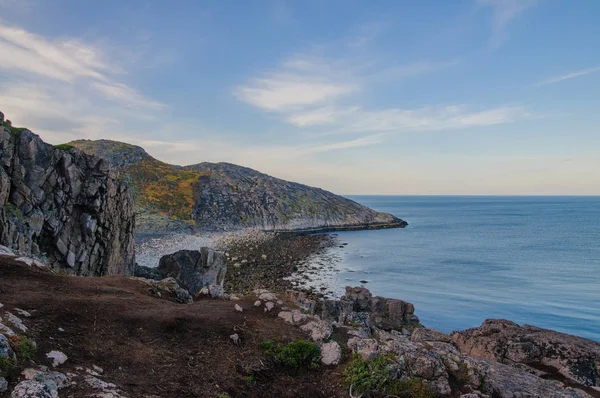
[[7, 366], [250, 380], [299, 354], [64, 147], [365, 376], [24, 347]]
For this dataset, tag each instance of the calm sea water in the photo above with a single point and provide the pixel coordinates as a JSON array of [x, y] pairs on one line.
[[463, 259]]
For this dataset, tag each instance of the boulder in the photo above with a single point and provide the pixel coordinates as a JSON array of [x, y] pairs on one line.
[[195, 270], [506, 342], [331, 353], [6, 352]]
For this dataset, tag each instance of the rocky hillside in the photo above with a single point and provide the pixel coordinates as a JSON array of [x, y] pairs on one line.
[[60, 203], [226, 196]]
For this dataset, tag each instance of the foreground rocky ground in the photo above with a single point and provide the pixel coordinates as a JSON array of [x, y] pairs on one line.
[[182, 333], [149, 346]]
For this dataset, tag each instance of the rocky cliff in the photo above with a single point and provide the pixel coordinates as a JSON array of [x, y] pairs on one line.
[[64, 204], [229, 197]]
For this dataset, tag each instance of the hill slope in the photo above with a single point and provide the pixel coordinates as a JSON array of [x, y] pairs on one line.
[[227, 196]]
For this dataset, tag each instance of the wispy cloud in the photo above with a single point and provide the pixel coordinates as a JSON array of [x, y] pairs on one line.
[[568, 76], [325, 94], [28, 58], [503, 12]]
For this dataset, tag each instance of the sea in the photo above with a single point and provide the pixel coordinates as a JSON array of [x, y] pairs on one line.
[[463, 259]]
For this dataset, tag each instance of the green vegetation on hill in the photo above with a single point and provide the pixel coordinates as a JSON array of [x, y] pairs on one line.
[[160, 187], [164, 188]]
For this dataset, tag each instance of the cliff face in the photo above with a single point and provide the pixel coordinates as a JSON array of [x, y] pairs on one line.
[[226, 196], [64, 204]]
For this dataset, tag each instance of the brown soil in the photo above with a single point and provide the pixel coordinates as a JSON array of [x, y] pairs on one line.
[[156, 347]]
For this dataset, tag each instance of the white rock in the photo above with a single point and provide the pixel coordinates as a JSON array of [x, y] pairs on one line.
[[235, 338], [319, 330], [279, 302], [331, 353], [233, 297], [44, 376], [238, 308], [204, 291], [98, 384], [294, 317], [5, 251], [98, 369], [58, 358], [244, 261], [237, 265], [269, 306], [16, 322], [264, 256], [25, 260], [61, 329], [22, 312], [34, 389], [267, 297], [257, 303]]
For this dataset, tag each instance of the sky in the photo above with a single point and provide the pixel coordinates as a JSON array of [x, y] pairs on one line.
[[425, 97]]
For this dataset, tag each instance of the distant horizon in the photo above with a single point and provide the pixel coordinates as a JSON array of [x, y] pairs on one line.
[[479, 97]]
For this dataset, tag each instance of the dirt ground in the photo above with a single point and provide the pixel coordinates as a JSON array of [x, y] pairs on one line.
[[153, 347]]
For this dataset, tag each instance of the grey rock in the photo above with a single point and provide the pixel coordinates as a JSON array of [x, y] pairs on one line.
[[35, 389], [195, 270], [506, 342], [45, 192], [6, 351], [16, 322], [331, 353], [3, 385]]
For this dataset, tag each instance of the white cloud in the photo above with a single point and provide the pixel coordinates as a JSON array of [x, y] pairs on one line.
[[325, 94], [280, 92], [504, 11], [571, 75], [29, 59]]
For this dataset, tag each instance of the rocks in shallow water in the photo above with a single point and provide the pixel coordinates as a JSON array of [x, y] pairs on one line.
[[195, 270], [331, 353], [506, 342]]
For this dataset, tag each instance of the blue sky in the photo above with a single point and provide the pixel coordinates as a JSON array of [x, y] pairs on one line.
[[386, 97]]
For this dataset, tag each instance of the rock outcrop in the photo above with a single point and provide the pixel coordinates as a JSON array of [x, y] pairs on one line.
[[224, 196], [65, 205], [193, 270], [575, 358], [447, 365]]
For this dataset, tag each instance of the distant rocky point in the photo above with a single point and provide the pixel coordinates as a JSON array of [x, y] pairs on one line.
[[224, 196]]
